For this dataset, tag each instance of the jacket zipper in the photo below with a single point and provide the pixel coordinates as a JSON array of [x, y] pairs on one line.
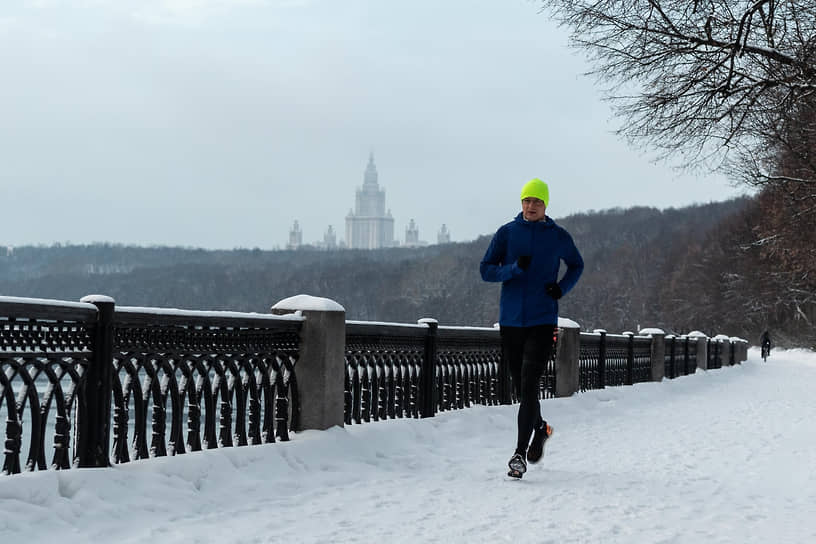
[[527, 278]]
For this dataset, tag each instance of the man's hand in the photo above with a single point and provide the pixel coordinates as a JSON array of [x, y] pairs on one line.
[[554, 291], [523, 262]]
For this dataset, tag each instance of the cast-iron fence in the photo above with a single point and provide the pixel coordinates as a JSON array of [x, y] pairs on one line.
[[218, 381], [99, 383], [400, 370], [613, 359], [45, 351], [680, 356], [219, 378]]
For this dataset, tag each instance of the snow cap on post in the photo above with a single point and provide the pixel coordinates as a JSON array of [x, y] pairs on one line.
[[566, 323], [308, 303], [650, 331]]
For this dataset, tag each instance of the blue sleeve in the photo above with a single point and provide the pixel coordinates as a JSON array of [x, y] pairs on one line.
[[493, 267], [575, 265]]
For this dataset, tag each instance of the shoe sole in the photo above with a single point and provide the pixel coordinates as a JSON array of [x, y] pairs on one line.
[[520, 468], [532, 458]]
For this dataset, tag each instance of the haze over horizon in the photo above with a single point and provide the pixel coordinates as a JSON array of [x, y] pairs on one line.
[[218, 123]]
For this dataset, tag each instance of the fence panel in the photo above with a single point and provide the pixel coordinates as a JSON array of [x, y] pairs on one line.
[[383, 371], [691, 350], [45, 352], [617, 359], [219, 381], [468, 361], [592, 361], [386, 365], [641, 359]]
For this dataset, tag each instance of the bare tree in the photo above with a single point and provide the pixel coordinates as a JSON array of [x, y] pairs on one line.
[[726, 84]]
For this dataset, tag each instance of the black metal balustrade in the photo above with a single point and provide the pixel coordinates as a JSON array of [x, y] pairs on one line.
[[641, 359], [714, 353], [690, 355], [219, 382], [399, 370], [468, 365], [617, 360], [592, 361], [45, 351], [613, 359], [670, 357], [101, 384], [384, 368], [225, 379], [680, 356]]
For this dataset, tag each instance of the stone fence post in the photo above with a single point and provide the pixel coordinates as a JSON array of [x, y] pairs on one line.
[[741, 353], [566, 358], [320, 369], [658, 354], [702, 348]]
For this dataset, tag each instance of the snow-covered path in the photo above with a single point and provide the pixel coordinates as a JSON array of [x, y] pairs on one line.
[[722, 456]]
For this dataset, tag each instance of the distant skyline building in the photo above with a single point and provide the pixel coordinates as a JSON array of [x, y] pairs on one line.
[[330, 239], [295, 237], [369, 225], [443, 236], [411, 234]]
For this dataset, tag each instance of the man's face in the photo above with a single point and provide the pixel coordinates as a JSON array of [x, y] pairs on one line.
[[532, 209]]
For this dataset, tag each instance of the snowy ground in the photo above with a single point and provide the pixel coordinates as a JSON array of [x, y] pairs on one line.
[[722, 456]]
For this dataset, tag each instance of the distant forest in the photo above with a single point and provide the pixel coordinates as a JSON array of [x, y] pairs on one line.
[[693, 268]]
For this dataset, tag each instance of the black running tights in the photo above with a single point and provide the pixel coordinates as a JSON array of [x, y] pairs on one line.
[[527, 350]]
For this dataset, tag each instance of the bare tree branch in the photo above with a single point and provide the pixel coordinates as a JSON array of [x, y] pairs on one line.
[[722, 84]]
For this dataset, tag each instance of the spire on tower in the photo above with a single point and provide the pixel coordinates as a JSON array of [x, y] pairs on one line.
[[370, 177]]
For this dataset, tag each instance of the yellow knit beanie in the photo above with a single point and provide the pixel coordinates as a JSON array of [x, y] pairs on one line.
[[537, 189]]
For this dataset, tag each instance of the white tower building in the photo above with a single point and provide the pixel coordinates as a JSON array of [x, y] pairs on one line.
[[443, 236], [412, 234], [295, 237], [369, 226], [330, 239]]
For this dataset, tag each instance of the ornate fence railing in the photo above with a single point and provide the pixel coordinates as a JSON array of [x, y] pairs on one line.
[[468, 362], [399, 370], [219, 381], [613, 359], [714, 353], [219, 378], [385, 368], [680, 356], [101, 384], [45, 353]]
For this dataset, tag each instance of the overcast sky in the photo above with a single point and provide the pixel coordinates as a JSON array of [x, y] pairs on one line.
[[217, 123]]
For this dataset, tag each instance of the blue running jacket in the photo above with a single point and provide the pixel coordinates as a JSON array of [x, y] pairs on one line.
[[524, 299]]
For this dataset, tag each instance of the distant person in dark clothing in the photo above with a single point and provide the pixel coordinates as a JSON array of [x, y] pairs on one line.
[[766, 345], [525, 255]]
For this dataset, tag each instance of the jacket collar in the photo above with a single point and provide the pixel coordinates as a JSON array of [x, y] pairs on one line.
[[548, 222]]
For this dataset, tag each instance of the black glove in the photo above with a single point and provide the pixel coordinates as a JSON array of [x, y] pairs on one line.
[[523, 262], [554, 291]]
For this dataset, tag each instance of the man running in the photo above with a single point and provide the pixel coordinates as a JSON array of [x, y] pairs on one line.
[[525, 255]]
